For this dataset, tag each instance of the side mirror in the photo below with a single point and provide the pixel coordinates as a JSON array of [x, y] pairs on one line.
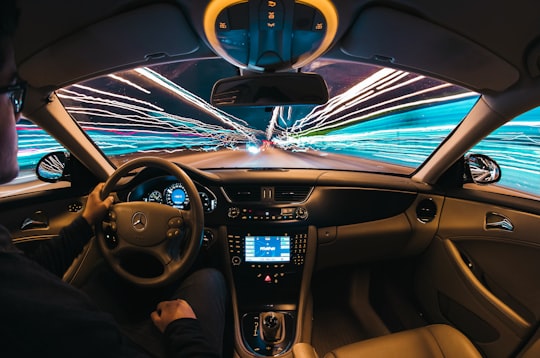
[[481, 169], [53, 167], [268, 90]]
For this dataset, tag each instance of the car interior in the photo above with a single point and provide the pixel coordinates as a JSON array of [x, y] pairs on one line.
[[325, 254]]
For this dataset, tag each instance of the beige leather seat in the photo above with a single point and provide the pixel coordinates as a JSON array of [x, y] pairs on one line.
[[433, 341]]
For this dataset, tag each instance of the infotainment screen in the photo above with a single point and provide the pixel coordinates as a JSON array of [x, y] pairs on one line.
[[267, 248]]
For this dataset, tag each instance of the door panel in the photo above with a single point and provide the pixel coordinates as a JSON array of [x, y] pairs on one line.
[[40, 215], [32, 218], [481, 274]]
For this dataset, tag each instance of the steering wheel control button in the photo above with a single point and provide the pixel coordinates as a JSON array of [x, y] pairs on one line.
[[110, 239], [175, 222], [173, 233]]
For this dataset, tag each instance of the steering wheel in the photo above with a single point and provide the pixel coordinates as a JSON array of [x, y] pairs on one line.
[[151, 232]]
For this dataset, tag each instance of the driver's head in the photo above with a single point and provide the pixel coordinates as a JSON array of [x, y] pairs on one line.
[[9, 167]]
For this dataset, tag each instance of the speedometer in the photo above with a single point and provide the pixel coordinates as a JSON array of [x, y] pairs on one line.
[[176, 195]]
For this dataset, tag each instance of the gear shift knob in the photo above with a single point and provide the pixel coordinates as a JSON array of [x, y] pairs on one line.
[[271, 326]]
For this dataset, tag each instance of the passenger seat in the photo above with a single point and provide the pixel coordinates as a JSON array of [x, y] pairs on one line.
[[434, 341]]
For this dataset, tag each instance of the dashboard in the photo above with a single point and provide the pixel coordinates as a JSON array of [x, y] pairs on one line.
[[263, 216], [168, 190], [274, 228]]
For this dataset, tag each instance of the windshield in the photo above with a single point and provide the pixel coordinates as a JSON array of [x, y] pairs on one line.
[[377, 119]]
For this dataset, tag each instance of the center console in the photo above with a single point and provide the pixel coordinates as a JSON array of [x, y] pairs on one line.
[[268, 269]]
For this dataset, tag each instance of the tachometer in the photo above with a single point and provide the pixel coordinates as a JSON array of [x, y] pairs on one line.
[[155, 196], [176, 195]]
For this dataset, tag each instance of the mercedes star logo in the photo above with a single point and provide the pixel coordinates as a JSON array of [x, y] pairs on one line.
[[139, 221]]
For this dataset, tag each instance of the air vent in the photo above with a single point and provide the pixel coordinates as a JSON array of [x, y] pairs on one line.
[[426, 210], [293, 194], [241, 193]]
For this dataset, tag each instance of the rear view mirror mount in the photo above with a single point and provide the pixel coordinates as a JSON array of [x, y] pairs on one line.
[[266, 90]]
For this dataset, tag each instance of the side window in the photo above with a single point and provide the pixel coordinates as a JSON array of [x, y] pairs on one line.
[[516, 148], [34, 143]]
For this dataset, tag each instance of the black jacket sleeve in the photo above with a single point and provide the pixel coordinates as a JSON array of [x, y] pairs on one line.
[[48, 317], [57, 254], [183, 338]]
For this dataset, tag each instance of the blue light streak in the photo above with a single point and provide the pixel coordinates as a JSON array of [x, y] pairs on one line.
[[391, 116]]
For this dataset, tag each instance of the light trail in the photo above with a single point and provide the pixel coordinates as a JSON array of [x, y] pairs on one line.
[[391, 116], [227, 119], [114, 95], [336, 114], [131, 124], [129, 83]]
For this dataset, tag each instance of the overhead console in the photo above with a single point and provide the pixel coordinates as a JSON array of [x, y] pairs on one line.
[[263, 35]]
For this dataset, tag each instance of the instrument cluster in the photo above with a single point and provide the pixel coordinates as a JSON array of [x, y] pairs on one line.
[[171, 192]]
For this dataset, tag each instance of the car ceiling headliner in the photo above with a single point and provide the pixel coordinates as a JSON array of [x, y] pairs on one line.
[[506, 29]]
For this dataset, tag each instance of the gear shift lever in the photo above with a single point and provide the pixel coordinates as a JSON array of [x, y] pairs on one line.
[[271, 326]]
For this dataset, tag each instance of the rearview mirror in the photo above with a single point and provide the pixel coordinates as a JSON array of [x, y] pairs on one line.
[[481, 169], [275, 89], [52, 167]]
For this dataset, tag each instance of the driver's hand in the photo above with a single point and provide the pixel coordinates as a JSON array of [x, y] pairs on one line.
[[95, 208], [168, 311]]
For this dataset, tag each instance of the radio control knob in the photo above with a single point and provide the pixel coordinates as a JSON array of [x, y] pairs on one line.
[[236, 260], [233, 212], [301, 213]]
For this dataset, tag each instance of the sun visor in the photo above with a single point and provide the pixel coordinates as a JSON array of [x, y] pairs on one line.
[[131, 38], [392, 37]]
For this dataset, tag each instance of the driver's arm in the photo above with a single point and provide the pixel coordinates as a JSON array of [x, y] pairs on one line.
[[56, 255], [182, 331]]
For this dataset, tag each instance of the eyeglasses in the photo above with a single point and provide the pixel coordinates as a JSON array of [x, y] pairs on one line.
[[16, 93]]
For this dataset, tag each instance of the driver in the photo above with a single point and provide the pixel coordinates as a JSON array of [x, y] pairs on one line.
[[40, 315]]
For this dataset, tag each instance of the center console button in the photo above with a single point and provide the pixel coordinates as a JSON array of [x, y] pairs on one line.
[[236, 260], [233, 212]]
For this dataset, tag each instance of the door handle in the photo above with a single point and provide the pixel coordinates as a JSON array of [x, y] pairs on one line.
[[37, 221], [498, 222]]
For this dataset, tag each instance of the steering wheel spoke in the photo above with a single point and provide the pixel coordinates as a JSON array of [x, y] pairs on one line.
[[186, 216], [152, 232]]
